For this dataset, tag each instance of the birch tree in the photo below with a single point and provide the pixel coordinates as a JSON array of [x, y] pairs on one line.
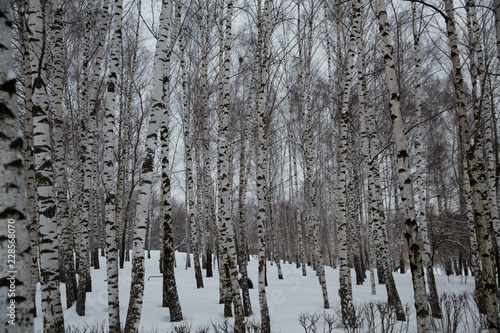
[[484, 118], [49, 246], [263, 25], [477, 189], [345, 290], [16, 308], [110, 171], [304, 81], [62, 203], [29, 165], [420, 181], [496, 8], [161, 74], [82, 172], [208, 190], [170, 296], [226, 230], [189, 173], [411, 228]]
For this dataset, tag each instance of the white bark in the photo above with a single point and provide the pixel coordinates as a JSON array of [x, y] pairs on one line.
[[345, 290], [16, 306], [190, 195], [486, 113], [496, 8], [420, 180], [49, 246], [477, 188], [161, 76], [170, 295], [227, 234], [263, 24], [82, 172], [110, 173], [29, 165], [62, 203], [411, 228], [304, 81]]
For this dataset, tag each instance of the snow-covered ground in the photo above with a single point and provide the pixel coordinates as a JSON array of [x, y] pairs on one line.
[[287, 298]]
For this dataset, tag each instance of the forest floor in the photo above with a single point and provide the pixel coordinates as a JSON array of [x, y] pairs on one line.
[[287, 298]]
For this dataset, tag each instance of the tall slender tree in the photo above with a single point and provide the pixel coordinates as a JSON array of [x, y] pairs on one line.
[[62, 202], [226, 229], [170, 295], [345, 290], [262, 61], [420, 181], [17, 310], [470, 161], [411, 227], [110, 171], [304, 81], [49, 245]]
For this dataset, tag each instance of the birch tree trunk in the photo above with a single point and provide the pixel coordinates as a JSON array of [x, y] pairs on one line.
[[110, 174], [227, 233], [477, 189], [161, 76], [170, 295], [496, 8], [345, 291], [294, 195], [420, 181], [208, 190], [298, 218], [16, 307], [29, 165], [411, 228], [331, 105], [304, 81], [49, 245], [486, 111], [69, 277], [189, 174], [82, 172], [365, 148], [263, 24], [243, 181]]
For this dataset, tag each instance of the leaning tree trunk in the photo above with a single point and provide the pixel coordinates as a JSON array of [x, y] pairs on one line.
[[49, 261], [411, 228], [477, 188], [422, 215], [16, 309]]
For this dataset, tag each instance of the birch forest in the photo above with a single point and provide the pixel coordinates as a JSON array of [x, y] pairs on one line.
[[358, 138]]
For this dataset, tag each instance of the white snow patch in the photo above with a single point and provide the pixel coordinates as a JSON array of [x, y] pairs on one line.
[[287, 298]]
